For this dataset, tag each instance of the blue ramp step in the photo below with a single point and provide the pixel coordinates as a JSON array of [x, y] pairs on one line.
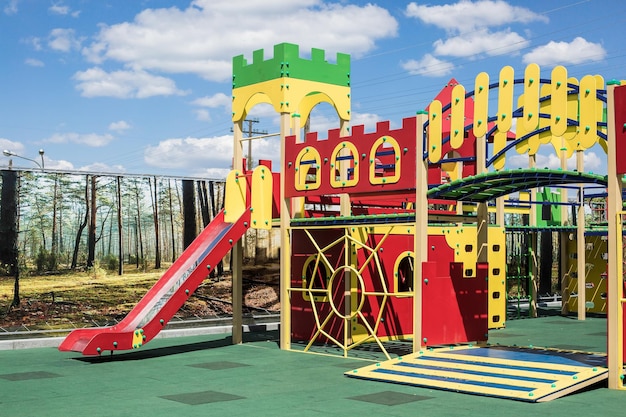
[[532, 375]]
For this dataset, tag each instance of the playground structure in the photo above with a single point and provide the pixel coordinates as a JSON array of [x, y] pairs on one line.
[[386, 235]]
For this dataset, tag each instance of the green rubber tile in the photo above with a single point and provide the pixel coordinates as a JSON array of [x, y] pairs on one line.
[[202, 397], [24, 376], [390, 398], [216, 366]]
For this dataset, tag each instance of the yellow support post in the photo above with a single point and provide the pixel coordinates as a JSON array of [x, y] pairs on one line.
[[421, 229], [615, 308]]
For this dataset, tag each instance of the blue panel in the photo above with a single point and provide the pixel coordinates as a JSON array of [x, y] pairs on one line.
[[455, 380], [496, 365], [479, 373], [548, 357]]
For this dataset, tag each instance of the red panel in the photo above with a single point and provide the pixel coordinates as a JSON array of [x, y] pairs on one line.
[[454, 308], [620, 128], [363, 142]]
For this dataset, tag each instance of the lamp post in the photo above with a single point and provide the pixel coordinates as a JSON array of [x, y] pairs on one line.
[[41, 152]]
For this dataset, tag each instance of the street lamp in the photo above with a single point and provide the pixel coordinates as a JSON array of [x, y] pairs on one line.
[[11, 153]]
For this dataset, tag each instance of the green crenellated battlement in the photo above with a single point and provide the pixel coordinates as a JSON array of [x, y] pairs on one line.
[[288, 63]]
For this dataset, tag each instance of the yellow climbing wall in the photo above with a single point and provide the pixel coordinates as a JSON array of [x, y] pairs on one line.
[[595, 265]]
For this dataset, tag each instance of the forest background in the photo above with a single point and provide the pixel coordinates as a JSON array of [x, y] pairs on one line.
[[80, 249]]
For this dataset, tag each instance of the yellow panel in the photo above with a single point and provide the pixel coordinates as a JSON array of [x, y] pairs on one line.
[[588, 121], [521, 131], [558, 120], [572, 113], [481, 104], [262, 198], [497, 277], [599, 103], [338, 174], [530, 145], [290, 95], [531, 101], [595, 278], [434, 131], [463, 240], [137, 338], [390, 179], [457, 122], [545, 107], [499, 142], [235, 196], [307, 169], [505, 99]]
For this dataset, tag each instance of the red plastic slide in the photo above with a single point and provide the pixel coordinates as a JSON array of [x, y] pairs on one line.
[[166, 297]]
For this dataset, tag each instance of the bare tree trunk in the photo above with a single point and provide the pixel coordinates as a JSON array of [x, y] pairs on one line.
[[155, 216], [169, 193], [9, 225], [81, 226], [120, 238], [91, 235], [139, 236], [189, 213], [54, 249], [204, 203]]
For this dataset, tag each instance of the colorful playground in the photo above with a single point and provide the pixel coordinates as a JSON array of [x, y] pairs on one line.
[[403, 250]]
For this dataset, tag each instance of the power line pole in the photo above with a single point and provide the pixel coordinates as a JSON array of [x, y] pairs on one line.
[[251, 132]]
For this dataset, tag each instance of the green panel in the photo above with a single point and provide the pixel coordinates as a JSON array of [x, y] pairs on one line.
[[286, 62], [548, 215]]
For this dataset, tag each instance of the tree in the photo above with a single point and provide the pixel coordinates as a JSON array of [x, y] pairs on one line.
[[81, 226], [120, 238], [9, 228], [91, 232], [155, 217], [190, 226]]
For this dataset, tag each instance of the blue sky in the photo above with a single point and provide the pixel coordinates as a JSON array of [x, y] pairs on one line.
[[144, 86]]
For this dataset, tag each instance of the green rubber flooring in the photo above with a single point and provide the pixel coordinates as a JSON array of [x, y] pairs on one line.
[[206, 376]]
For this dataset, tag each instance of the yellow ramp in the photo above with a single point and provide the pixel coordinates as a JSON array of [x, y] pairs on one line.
[[532, 375]]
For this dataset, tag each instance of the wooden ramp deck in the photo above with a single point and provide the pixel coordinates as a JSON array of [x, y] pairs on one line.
[[524, 374]]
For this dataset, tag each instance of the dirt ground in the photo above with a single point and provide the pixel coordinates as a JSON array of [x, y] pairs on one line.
[[106, 300]]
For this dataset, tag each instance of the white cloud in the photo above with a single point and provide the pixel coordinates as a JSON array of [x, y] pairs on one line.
[[479, 42], [9, 145], [201, 154], [576, 52], [592, 162], [64, 40], [119, 126], [203, 115], [102, 167], [466, 16], [95, 82], [191, 152], [11, 7], [368, 120], [429, 66], [59, 164], [216, 100], [90, 139], [201, 38], [59, 9], [33, 62]]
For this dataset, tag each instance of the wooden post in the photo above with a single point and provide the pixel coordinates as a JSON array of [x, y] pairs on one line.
[[421, 229], [581, 261], [237, 252], [532, 222], [285, 244], [615, 284]]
